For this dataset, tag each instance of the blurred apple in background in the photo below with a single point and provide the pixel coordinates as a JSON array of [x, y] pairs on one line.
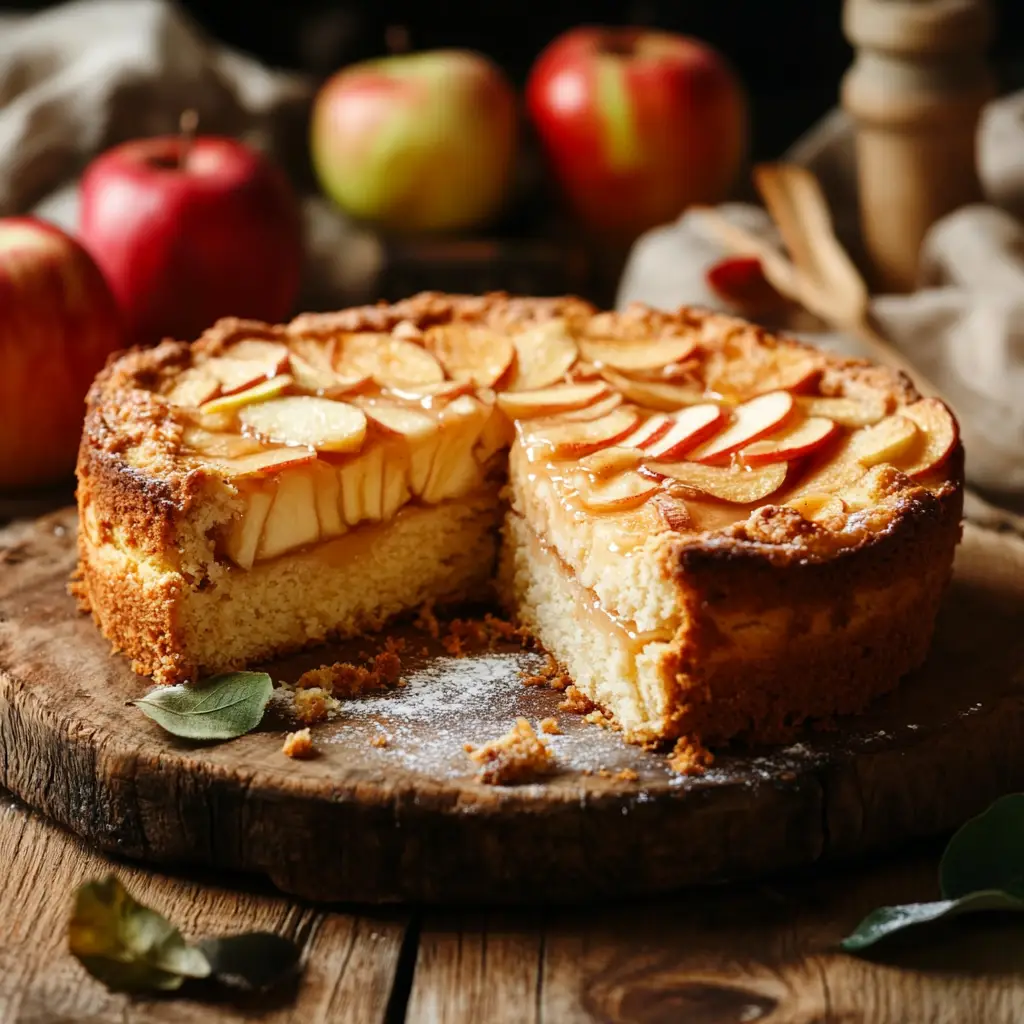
[[417, 142], [189, 230], [58, 324], [637, 125]]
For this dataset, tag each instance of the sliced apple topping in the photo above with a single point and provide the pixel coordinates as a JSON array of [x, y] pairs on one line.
[[739, 485], [327, 484], [303, 420], [362, 486], [292, 521], [818, 505], [192, 387], [688, 428], [653, 394], [236, 373], [229, 404], [474, 354], [455, 471], [431, 396], [544, 354], [420, 431], [243, 536], [637, 356], [940, 431], [616, 493], [560, 440], [390, 361], [861, 411], [649, 431], [805, 437], [601, 407], [609, 461], [750, 422], [219, 445], [272, 353], [319, 379], [264, 463], [747, 368], [525, 405], [889, 439]]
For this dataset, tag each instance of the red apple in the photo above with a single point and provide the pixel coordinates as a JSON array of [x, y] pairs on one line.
[[59, 323], [417, 142], [188, 231], [637, 125]]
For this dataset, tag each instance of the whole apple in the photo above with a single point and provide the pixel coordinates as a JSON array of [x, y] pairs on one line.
[[59, 324], [417, 142], [187, 231], [637, 125]]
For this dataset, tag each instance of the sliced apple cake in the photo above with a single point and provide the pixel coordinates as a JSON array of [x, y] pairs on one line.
[[717, 531]]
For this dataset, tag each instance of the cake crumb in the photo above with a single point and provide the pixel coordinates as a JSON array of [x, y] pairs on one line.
[[343, 679], [427, 620], [379, 741], [627, 775], [518, 756], [598, 717], [298, 744], [690, 757], [576, 702], [550, 726], [310, 705], [552, 674]]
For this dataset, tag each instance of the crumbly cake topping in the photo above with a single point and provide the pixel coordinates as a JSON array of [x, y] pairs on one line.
[[691, 423]]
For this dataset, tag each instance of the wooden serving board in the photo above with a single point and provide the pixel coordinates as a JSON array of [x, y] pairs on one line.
[[410, 821]]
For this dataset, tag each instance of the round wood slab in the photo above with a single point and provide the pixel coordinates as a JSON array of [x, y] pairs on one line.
[[411, 822]]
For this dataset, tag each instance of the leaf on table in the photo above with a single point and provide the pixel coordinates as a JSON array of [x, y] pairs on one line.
[[219, 708], [887, 921], [987, 852], [127, 946], [256, 960]]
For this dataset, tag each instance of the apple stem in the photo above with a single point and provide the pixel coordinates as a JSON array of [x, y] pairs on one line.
[[187, 125]]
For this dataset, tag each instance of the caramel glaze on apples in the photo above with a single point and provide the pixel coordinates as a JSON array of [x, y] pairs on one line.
[[161, 411]]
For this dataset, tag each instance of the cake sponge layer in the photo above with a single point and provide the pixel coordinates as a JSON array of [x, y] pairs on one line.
[[176, 631]]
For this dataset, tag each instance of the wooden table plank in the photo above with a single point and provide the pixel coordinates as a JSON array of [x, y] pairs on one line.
[[765, 953], [350, 958]]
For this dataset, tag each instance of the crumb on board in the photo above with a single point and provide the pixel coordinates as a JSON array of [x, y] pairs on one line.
[[344, 679], [551, 674], [576, 702], [550, 726], [518, 756], [690, 757], [599, 717], [380, 741], [311, 705], [627, 775], [298, 744]]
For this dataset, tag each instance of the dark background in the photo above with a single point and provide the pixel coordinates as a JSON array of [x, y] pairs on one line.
[[790, 53]]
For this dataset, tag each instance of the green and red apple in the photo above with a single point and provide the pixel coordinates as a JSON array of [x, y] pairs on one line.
[[417, 142], [637, 125]]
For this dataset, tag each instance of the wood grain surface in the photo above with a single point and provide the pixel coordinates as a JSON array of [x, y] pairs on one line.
[[410, 822], [763, 953]]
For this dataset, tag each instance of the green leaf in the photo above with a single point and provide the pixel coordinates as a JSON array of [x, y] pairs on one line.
[[888, 920], [256, 960], [128, 946], [219, 708], [987, 852]]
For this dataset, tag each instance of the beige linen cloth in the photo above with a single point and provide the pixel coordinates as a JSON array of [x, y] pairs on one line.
[[84, 76], [964, 327]]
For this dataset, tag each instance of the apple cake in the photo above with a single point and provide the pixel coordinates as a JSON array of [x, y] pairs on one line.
[[717, 531]]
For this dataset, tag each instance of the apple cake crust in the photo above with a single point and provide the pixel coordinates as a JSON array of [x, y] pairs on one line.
[[719, 531]]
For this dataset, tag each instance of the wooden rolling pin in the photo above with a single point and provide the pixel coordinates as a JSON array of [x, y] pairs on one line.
[[915, 92]]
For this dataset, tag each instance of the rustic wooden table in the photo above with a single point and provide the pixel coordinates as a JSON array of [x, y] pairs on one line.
[[754, 953]]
